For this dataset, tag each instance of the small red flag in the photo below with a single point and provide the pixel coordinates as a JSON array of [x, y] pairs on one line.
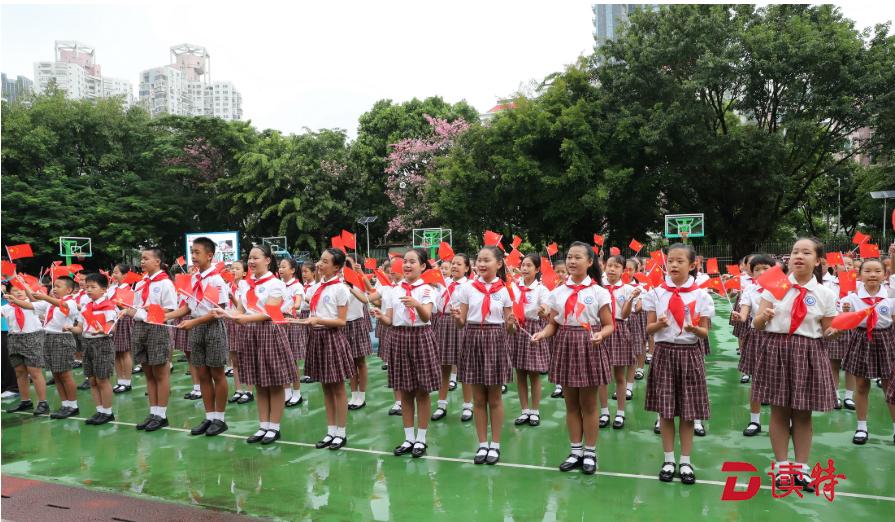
[[433, 276], [848, 282], [516, 241], [349, 240], [397, 265], [212, 294], [445, 252], [860, 238], [183, 283], [336, 242], [711, 266], [614, 251], [733, 284], [275, 313], [775, 281], [733, 270], [383, 279], [181, 261], [713, 283], [596, 250], [835, 259], [155, 314], [552, 249], [19, 251], [656, 277], [626, 278], [370, 263], [57, 263], [694, 315], [513, 259], [228, 276], [548, 275], [850, 320], [519, 312], [125, 296], [59, 271], [635, 245], [131, 278], [579, 309], [658, 257], [492, 238], [356, 280], [74, 268], [9, 268], [868, 250], [598, 240]]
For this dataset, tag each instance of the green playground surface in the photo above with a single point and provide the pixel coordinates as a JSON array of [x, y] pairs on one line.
[[291, 480]]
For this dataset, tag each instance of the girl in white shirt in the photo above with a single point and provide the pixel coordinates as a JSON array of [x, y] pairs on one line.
[[620, 344], [450, 337], [292, 301], [357, 331], [238, 288], [792, 371]]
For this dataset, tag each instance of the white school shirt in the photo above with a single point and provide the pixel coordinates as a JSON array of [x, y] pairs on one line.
[[203, 307], [331, 298], [161, 292], [752, 297], [884, 308], [355, 306], [81, 298], [594, 298], [534, 298], [469, 295], [32, 321], [307, 290], [268, 290], [295, 291], [820, 301], [444, 302], [656, 300], [59, 320], [107, 316], [701, 277], [891, 284], [622, 295], [420, 291]]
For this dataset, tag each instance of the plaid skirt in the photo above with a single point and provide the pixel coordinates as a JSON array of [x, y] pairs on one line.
[[99, 357], [265, 358], [793, 372], [873, 359], [484, 358], [59, 351], [676, 386], [413, 363], [737, 325], [706, 346], [233, 335], [357, 332], [328, 358], [383, 340], [27, 349], [151, 343], [837, 349], [121, 337], [890, 389], [297, 334], [576, 362], [752, 344], [180, 338], [619, 345], [449, 338], [526, 355], [637, 327]]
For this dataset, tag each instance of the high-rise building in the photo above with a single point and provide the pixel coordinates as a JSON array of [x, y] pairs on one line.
[[608, 19], [184, 87], [16, 89], [75, 71]]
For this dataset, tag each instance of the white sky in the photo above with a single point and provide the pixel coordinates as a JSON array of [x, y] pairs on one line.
[[321, 64]]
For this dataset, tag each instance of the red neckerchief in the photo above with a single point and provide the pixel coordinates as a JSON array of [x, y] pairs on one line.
[[317, 293], [252, 282], [446, 296], [62, 307], [144, 293], [612, 288], [572, 300], [486, 301], [799, 309], [408, 289], [872, 316], [676, 303], [20, 316], [294, 281], [198, 291]]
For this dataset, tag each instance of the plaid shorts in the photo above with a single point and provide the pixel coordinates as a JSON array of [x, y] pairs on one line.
[[59, 349], [151, 344], [27, 349], [99, 357], [208, 344]]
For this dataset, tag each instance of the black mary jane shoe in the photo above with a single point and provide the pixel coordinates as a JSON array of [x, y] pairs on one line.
[[800, 480], [604, 420], [688, 477], [522, 419], [235, 397], [629, 395], [569, 464], [534, 419], [860, 441], [492, 459], [360, 406], [619, 422], [638, 374], [338, 443], [104, 418], [419, 449], [156, 424], [699, 431], [752, 429], [61, 413], [480, 455], [438, 414], [503, 389], [589, 464], [324, 442], [556, 394], [306, 380], [122, 388], [43, 408], [256, 437], [217, 427], [137, 369], [201, 428], [745, 379], [384, 367], [84, 385], [93, 420], [849, 404], [405, 448], [452, 385], [838, 405], [666, 475], [394, 411], [246, 398], [270, 439], [656, 429], [292, 402], [21, 406], [146, 421]]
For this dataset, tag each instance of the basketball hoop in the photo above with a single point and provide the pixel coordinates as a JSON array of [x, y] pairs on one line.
[[684, 237]]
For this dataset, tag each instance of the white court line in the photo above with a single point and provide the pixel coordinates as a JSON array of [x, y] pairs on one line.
[[468, 461]]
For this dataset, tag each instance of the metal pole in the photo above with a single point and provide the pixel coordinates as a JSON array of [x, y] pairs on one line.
[[885, 210], [367, 226]]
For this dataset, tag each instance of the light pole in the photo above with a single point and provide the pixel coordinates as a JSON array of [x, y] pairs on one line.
[[365, 221], [884, 195]]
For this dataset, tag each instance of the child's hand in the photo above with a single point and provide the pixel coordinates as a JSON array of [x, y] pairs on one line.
[[377, 313], [767, 315], [186, 325], [663, 321], [409, 302], [736, 316], [539, 336], [543, 311], [636, 292], [596, 338], [693, 329]]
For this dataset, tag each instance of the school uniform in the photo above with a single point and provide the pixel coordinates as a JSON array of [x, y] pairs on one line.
[[124, 328], [237, 289], [676, 384], [99, 351], [871, 353], [151, 343], [295, 333], [752, 338], [576, 362], [793, 371], [413, 360], [637, 325], [265, 357], [208, 341], [329, 356], [524, 354], [483, 356], [382, 329], [448, 335], [619, 344], [59, 344], [746, 282], [357, 329], [25, 337]]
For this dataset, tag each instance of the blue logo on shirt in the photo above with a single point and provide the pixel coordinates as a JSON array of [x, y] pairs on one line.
[[621, 299], [156, 289], [810, 300], [326, 299], [589, 300], [261, 289], [884, 310]]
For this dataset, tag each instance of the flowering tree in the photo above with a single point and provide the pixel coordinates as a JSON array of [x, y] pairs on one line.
[[410, 163]]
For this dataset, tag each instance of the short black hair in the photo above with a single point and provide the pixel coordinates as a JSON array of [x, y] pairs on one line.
[[208, 244], [760, 259], [69, 282], [97, 278]]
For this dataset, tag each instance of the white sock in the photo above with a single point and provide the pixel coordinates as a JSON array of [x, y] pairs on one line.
[[296, 394], [850, 394], [591, 449], [629, 386], [697, 423], [755, 417], [453, 377], [361, 398], [408, 434], [620, 413], [534, 412], [577, 449], [442, 405], [467, 405], [804, 467], [196, 388], [526, 412], [685, 459], [288, 392], [265, 426], [604, 411], [495, 445], [893, 424], [107, 411], [331, 431], [209, 415], [162, 411], [119, 381], [261, 431], [353, 400], [862, 425], [273, 426], [99, 409], [421, 435], [125, 382], [153, 410], [669, 456], [340, 431], [398, 404]]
